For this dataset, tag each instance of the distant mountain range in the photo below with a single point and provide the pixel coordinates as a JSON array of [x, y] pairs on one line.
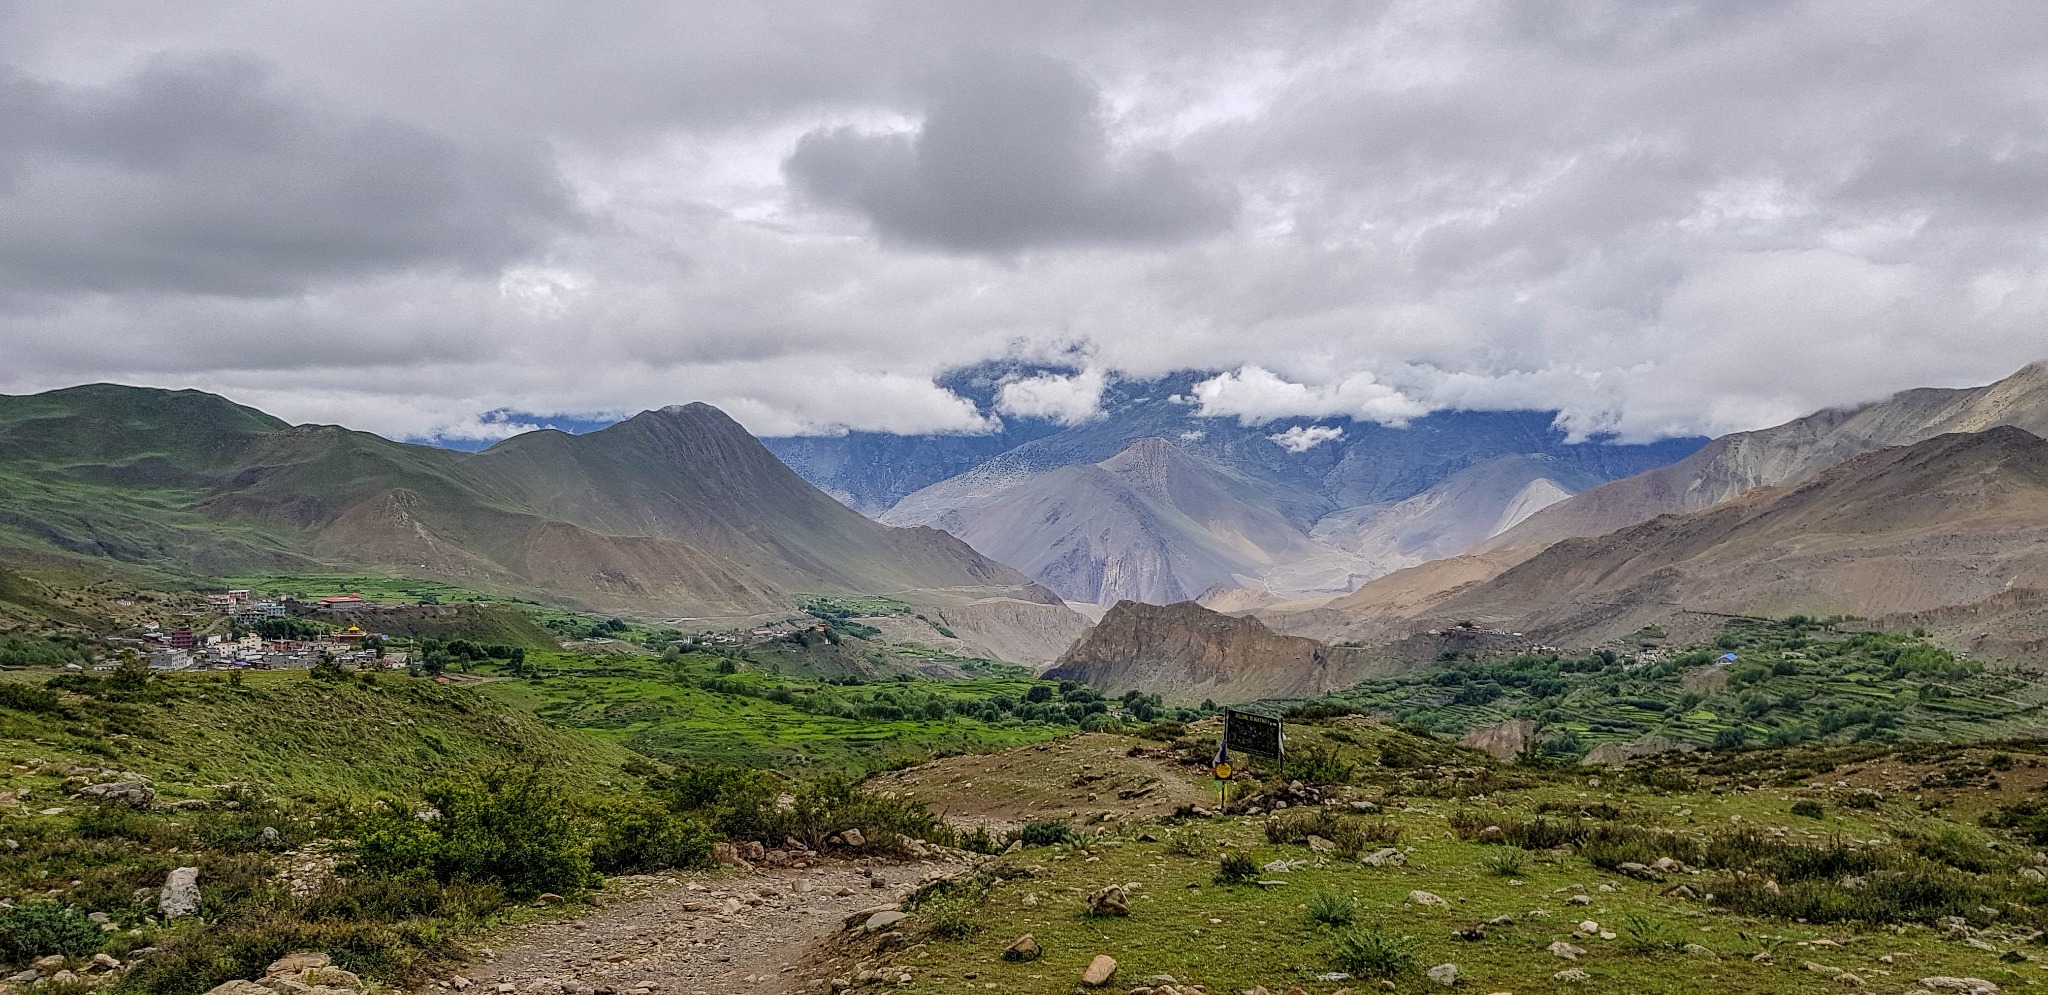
[[1155, 502], [676, 512], [1729, 468], [1927, 509]]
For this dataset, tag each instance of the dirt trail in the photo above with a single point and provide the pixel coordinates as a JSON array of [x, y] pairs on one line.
[[736, 932]]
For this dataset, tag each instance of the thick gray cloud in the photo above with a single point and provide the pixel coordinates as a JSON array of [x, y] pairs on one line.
[[1656, 217], [199, 174], [1012, 154]]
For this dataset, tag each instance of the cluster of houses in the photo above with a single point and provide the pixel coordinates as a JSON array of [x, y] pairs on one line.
[[179, 648]]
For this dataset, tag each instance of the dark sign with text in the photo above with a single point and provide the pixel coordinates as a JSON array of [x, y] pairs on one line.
[[1258, 735]]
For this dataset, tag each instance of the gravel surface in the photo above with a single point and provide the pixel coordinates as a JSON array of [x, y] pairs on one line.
[[737, 932]]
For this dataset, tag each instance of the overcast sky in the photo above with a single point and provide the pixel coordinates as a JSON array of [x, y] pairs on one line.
[[1658, 218]]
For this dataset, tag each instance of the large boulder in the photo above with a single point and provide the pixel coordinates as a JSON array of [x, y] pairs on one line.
[[180, 895]]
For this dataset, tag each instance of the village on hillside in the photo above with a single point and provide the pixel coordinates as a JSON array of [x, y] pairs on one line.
[[235, 631]]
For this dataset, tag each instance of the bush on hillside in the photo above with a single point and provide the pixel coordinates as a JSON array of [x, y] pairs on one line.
[[29, 698], [1317, 765], [381, 928], [743, 804], [1352, 834], [1045, 832], [1236, 868], [638, 835], [38, 929], [504, 828], [1370, 952]]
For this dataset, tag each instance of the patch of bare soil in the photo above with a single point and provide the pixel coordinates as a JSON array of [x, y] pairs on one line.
[[730, 932], [1082, 779]]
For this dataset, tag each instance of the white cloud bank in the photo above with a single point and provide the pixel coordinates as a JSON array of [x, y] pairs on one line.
[[1302, 438], [1069, 399], [1255, 396]]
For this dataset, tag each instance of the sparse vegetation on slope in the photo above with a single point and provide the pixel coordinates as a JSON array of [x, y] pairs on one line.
[[1788, 682]]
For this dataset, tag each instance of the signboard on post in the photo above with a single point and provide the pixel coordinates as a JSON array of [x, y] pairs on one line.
[[1256, 734]]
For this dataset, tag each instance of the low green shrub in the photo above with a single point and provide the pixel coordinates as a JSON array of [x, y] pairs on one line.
[[1373, 953], [505, 828], [29, 698], [1236, 868], [1187, 841], [1352, 834], [1530, 834], [1046, 832], [1642, 934], [38, 929], [1502, 863], [1332, 908], [384, 929], [639, 835], [978, 840], [1317, 765]]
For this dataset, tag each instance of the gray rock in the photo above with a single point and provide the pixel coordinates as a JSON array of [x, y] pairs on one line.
[[180, 895], [1025, 948], [132, 794], [1566, 950], [1443, 974], [1972, 986], [883, 920], [293, 963], [1110, 901], [853, 837], [1426, 898], [1571, 976], [1385, 856]]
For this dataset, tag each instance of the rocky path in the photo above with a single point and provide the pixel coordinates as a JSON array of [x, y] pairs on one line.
[[731, 932]]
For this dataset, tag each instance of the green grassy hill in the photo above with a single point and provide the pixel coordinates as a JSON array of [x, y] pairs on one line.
[[686, 710], [678, 510], [292, 735], [1790, 682]]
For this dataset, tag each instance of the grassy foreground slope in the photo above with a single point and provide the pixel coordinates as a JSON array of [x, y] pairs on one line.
[[1819, 869]]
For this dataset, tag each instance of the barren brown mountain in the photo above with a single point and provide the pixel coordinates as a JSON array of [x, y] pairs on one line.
[[1185, 653], [1952, 521], [1786, 454]]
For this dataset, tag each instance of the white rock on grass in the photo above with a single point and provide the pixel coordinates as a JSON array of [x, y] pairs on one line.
[[180, 895], [1426, 898], [1443, 974]]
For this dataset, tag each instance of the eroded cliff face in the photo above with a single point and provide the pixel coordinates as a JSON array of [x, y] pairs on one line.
[[1011, 629], [1186, 653]]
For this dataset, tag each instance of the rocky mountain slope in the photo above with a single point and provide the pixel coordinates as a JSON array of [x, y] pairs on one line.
[[1155, 502], [677, 511], [1954, 520], [1186, 653], [1787, 454], [1152, 523]]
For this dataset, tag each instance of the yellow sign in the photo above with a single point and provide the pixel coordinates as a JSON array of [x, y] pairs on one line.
[[1223, 772]]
